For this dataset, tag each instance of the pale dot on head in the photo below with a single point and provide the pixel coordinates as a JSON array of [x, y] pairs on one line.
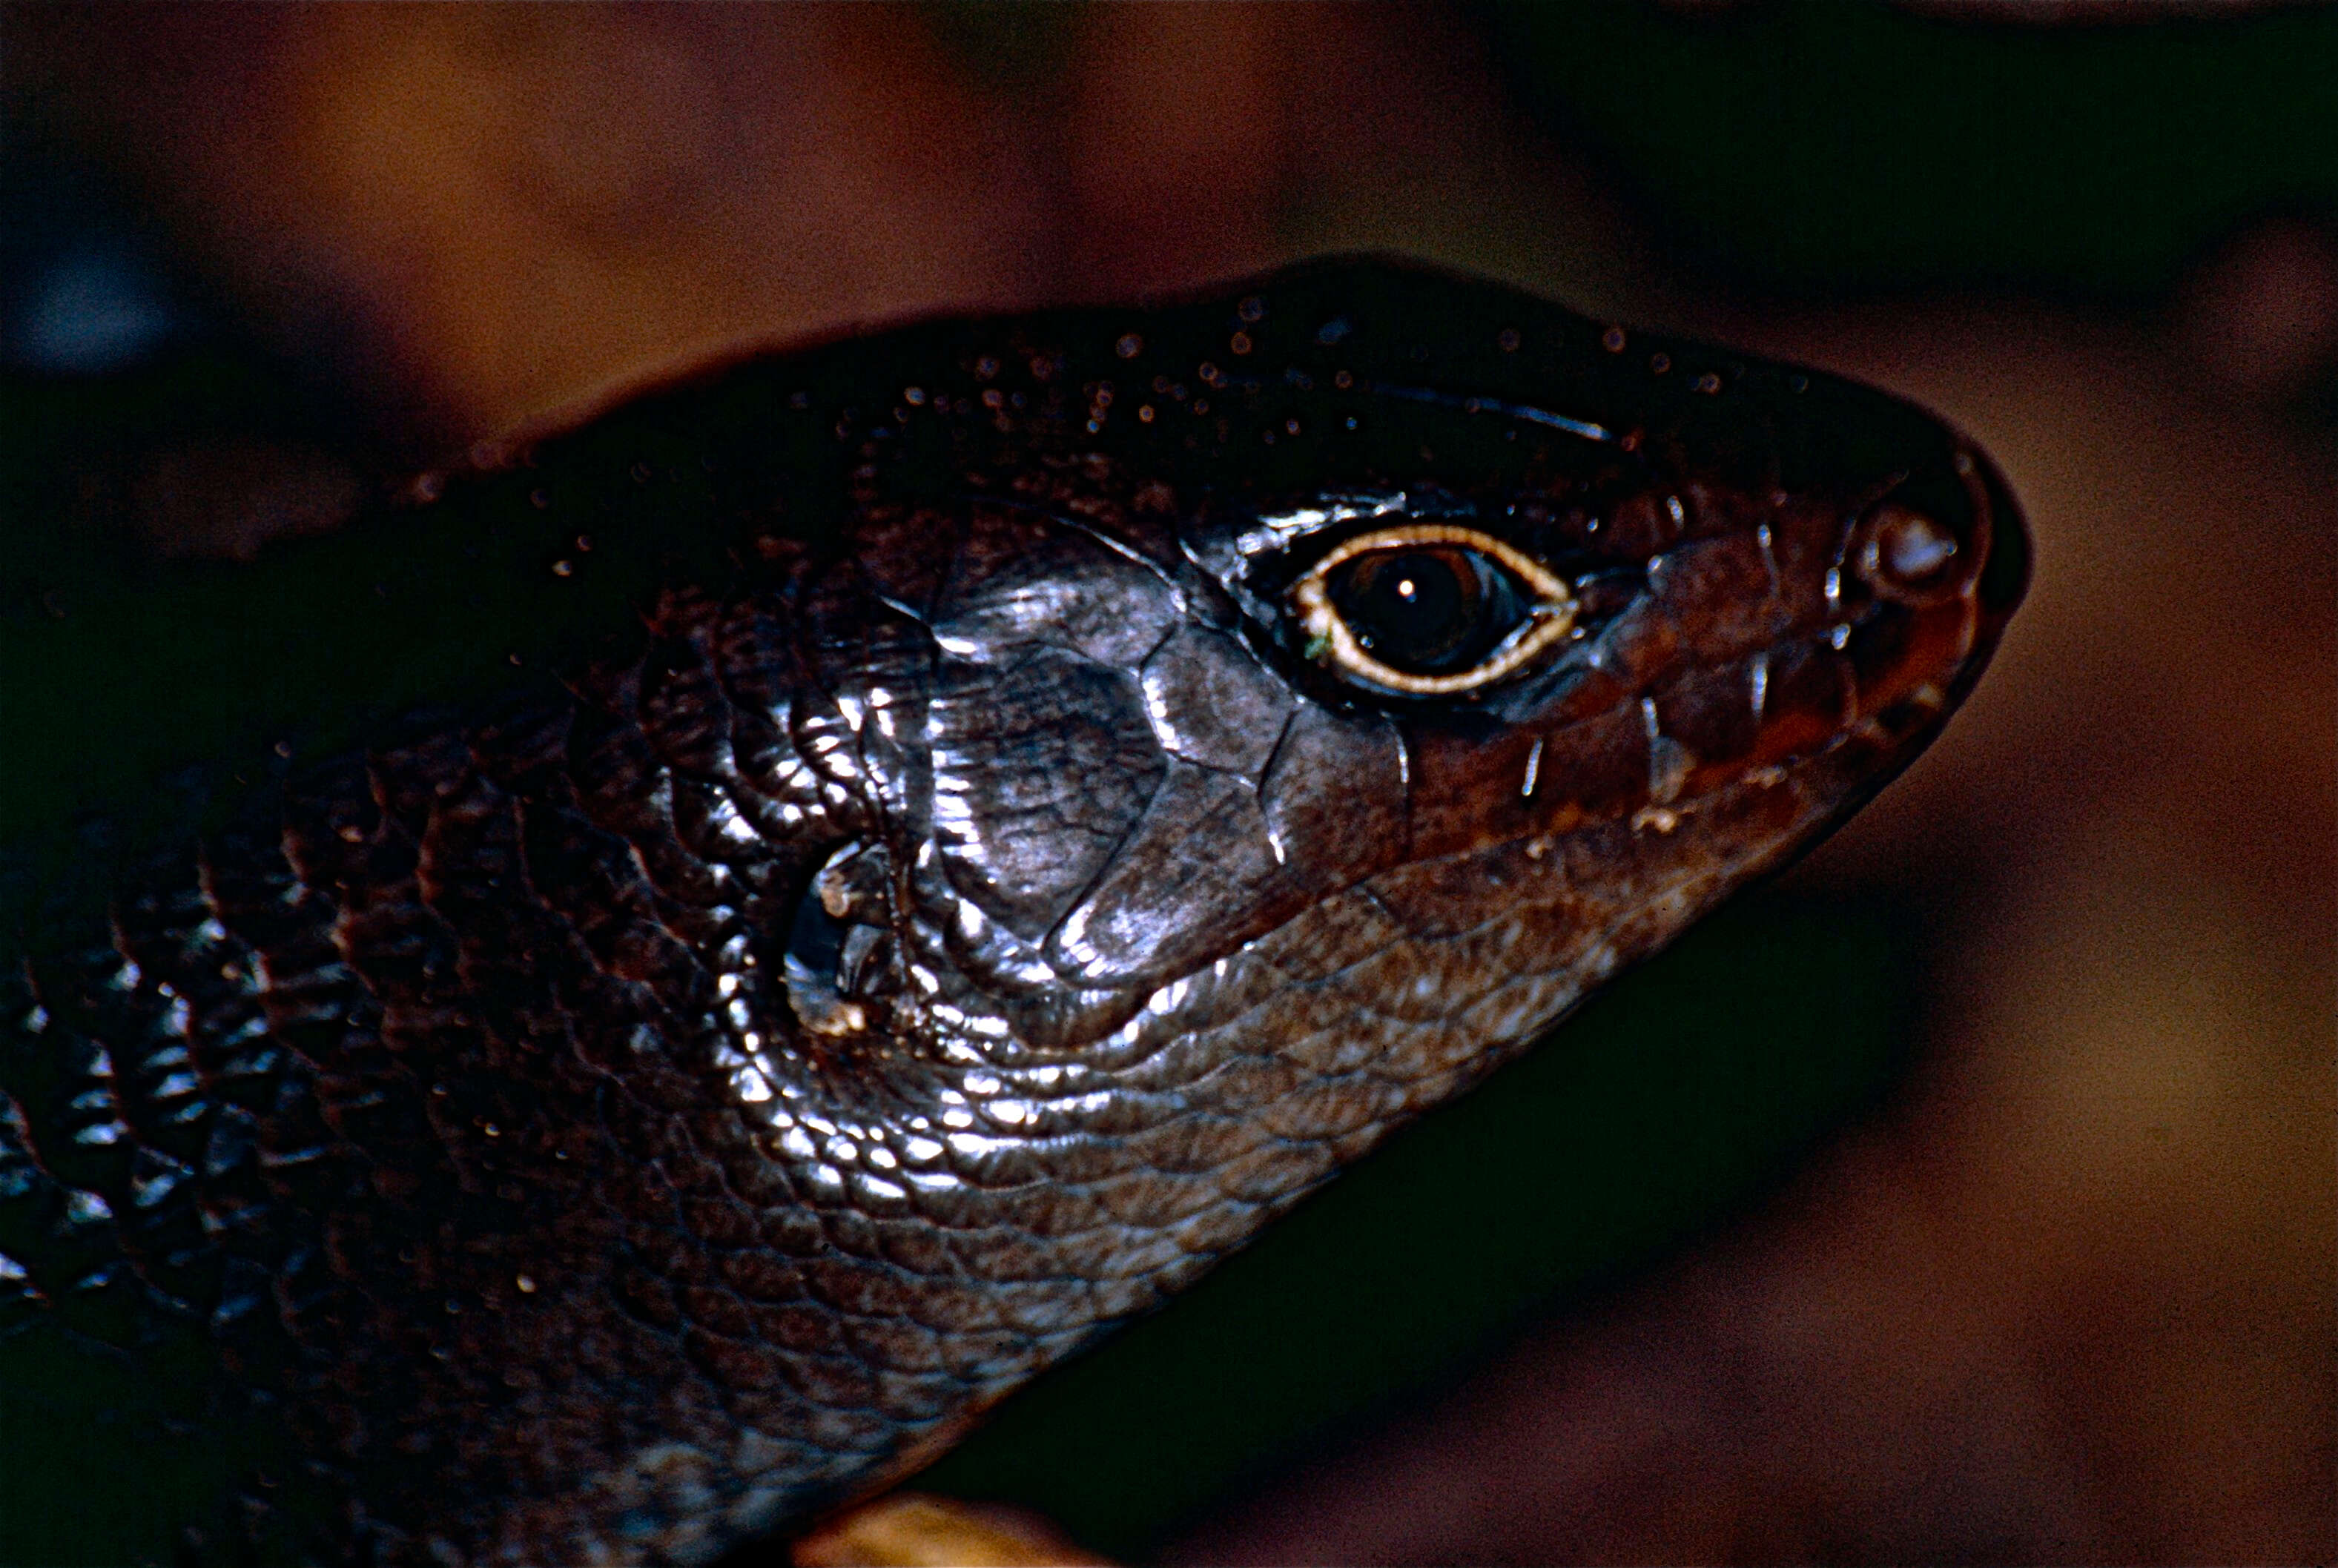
[[1911, 546]]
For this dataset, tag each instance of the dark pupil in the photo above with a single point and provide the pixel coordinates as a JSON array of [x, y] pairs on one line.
[[1422, 611]]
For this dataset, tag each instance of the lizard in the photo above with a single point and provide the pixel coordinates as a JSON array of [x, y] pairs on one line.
[[1016, 804]]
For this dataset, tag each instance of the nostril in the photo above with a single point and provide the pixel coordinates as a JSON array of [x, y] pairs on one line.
[[1912, 548], [1909, 555]]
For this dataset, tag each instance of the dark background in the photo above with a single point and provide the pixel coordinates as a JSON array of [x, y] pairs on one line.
[[1970, 1194]]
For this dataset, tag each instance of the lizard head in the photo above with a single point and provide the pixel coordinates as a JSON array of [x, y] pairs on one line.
[[1370, 643]]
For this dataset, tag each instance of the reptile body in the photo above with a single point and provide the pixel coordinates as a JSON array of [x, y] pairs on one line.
[[667, 1095]]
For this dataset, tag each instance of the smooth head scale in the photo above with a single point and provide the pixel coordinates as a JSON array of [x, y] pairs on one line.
[[1027, 843]]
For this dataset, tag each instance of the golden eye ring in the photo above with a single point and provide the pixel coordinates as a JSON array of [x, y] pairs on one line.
[[1331, 641]]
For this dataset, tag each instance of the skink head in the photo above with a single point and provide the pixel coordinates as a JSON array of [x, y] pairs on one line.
[[1367, 580]]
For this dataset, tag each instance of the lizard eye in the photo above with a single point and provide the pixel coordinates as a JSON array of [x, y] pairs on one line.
[[1429, 609]]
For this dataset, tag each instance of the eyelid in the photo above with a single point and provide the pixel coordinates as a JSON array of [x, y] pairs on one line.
[[1548, 620]]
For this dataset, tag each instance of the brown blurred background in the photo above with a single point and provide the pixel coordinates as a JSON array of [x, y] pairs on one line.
[[2072, 1293]]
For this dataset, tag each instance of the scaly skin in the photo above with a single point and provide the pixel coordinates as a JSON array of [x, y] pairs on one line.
[[639, 1111]]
